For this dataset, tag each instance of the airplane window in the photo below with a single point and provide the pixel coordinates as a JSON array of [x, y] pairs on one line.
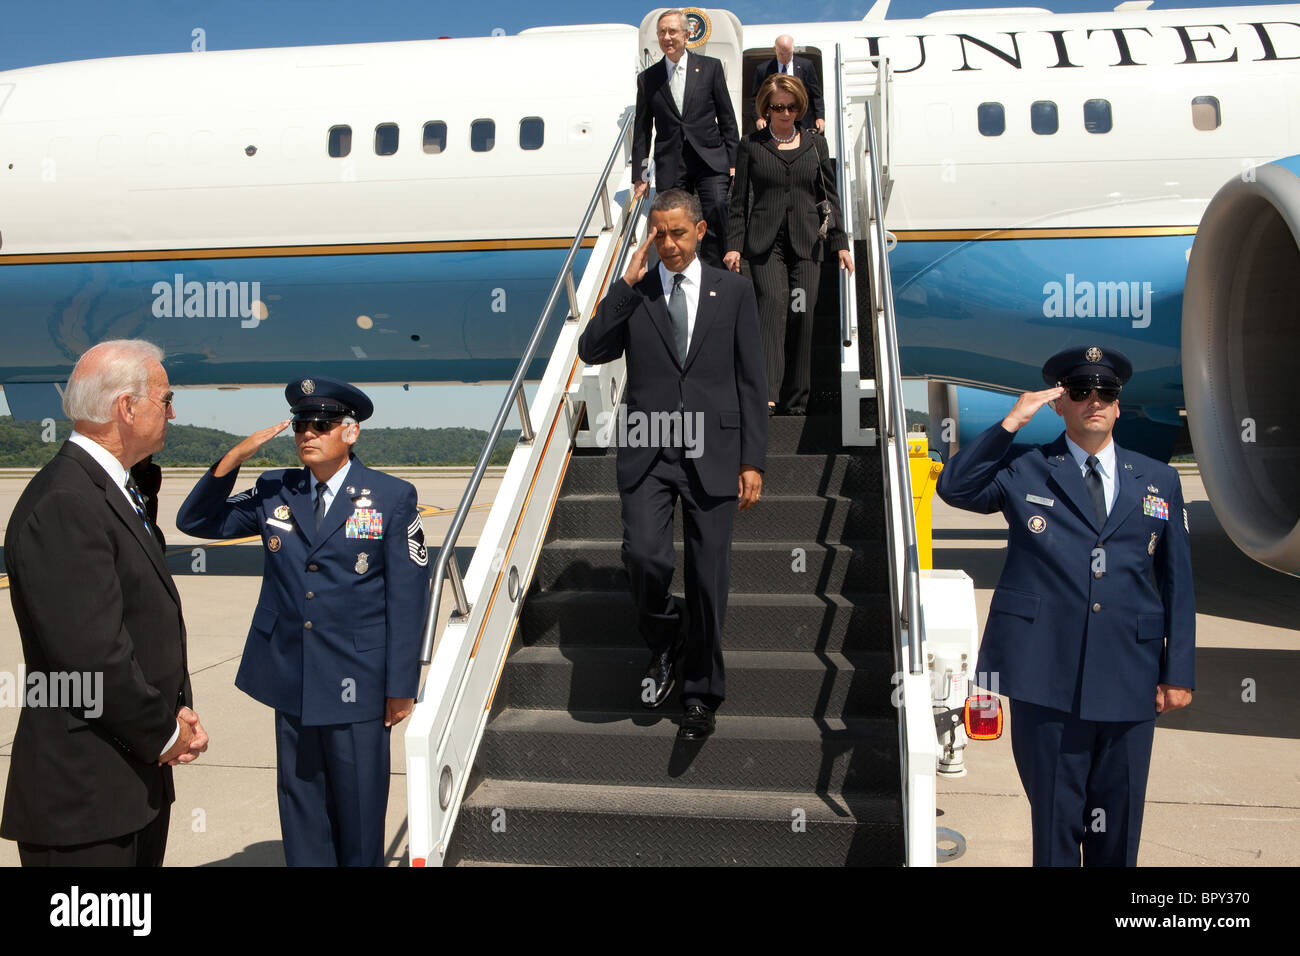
[[992, 119], [1096, 116], [110, 150], [532, 132], [1042, 117], [482, 135], [340, 143], [435, 137], [386, 139], [1205, 112]]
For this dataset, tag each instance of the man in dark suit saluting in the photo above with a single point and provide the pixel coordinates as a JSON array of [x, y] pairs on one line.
[[1092, 629], [684, 99], [696, 430], [90, 779], [786, 62]]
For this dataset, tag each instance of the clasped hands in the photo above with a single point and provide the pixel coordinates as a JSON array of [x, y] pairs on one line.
[[190, 742]]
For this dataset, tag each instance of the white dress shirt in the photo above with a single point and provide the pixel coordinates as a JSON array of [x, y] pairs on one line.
[[332, 485], [672, 67], [1105, 468], [690, 286], [117, 473], [106, 460]]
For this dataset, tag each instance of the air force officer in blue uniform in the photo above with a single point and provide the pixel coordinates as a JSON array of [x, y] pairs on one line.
[[1091, 631], [335, 641]]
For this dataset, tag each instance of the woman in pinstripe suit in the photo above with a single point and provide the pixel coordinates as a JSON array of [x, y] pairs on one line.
[[779, 231]]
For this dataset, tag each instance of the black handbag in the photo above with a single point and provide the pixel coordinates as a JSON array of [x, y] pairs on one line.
[[824, 207]]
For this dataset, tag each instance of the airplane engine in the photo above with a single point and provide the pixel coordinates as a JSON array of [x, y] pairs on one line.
[[1241, 343]]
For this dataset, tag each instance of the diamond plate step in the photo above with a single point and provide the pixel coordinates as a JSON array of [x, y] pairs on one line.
[[759, 683], [760, 622], [642, 749], [810, 517], [756, 567], [562, 825], [851, 476]]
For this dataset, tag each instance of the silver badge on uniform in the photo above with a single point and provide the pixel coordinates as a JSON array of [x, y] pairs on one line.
[[1153, 489], [1093, 354], [1037, 524], [363, 563], [1045, 502], [1151, 545], [308, 386]]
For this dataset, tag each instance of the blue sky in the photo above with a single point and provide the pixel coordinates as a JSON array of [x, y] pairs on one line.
[[47, 31], [41, 31]]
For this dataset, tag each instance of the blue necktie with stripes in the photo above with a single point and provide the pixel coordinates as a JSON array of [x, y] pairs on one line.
[[137, 499]]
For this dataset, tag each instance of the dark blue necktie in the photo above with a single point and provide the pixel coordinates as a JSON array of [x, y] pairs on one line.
[[137, 499], [320, 502], [1095, 490], [677, 312]]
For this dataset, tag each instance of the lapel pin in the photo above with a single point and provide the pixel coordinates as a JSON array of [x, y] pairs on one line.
[[1153, 489], [1127, 466], [711, 292]]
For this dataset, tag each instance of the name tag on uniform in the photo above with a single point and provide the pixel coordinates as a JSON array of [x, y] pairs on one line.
[[279, 524], [1045, 502], [365, 523], [1155, 507]]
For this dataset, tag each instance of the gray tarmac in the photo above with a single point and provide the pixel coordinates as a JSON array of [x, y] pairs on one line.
[[1225, 778]]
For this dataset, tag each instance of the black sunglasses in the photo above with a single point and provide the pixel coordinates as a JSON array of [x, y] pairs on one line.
[[1080, 393], [783, 108], [318, 425]]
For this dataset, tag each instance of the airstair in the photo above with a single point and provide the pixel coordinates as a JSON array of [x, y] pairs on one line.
[[528, 745]]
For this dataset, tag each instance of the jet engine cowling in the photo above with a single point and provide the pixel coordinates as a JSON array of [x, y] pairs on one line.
[[1241, 360]]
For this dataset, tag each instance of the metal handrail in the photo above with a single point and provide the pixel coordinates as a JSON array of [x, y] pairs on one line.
[[447, 566], [894, 415], [848, 290]]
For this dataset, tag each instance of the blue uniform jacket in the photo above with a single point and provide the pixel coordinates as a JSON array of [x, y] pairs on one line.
[[340, 618], [1086, 620]]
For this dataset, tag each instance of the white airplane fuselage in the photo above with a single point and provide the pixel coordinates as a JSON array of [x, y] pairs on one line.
[[192, 198]]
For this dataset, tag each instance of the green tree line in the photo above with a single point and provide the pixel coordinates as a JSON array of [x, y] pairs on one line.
[[30, 445]]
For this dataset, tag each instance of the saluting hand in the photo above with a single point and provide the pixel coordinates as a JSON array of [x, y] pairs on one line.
[[247, 448], [636, 266], [1028, 405]]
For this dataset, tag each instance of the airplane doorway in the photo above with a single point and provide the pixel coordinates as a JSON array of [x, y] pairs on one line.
[[755, 58]]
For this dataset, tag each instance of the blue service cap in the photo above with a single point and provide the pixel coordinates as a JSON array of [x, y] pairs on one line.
[[1088, 365], [316, 396]]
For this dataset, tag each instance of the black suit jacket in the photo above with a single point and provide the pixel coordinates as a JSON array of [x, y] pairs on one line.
[[723, 379], [786, 188], [806, 74], [706, 120], [91, 594]]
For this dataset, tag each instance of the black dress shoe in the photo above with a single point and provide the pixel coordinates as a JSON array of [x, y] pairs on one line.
[[662, 679], [697, 724]]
